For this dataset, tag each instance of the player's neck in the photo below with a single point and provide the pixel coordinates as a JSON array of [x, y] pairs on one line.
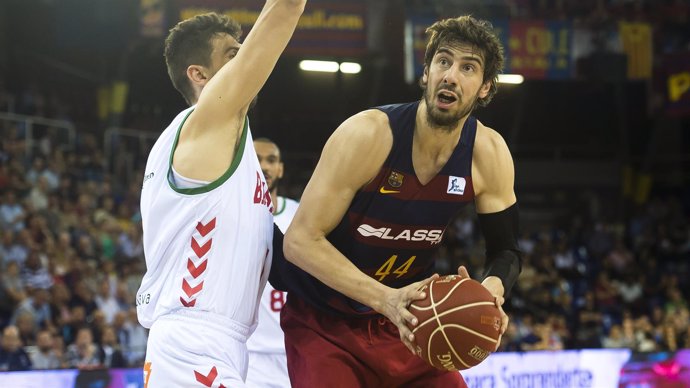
[[274, 199], [431, 140]]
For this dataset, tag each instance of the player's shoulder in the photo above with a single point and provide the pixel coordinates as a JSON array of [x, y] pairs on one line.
[[488, 142], [370, 121], [366, 131]]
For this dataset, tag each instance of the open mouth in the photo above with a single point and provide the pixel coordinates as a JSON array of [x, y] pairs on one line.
[[446, 97]]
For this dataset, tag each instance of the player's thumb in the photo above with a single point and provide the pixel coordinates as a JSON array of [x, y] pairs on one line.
[[462, 272]]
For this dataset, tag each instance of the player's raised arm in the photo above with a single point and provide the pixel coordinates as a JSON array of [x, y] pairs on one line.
[[215, 125], [235, 85], [350, 159]]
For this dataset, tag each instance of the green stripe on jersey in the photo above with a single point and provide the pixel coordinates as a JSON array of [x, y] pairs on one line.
[[228, 173]]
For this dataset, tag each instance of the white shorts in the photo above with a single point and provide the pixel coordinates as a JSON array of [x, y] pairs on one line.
[[186, 351], [267, 370]]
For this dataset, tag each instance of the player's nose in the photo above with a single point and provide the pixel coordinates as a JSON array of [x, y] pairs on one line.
[[450, 77]]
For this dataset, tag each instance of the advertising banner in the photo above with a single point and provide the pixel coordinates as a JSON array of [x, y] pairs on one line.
[[542, 369], [326, 28], [535, 49]]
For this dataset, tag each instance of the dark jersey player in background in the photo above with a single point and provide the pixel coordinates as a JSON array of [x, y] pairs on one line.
[[388, 183]]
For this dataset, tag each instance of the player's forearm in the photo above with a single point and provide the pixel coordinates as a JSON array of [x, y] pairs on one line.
[[259, 53], [321, 259]]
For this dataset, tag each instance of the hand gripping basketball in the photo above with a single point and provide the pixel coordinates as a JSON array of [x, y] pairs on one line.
[[458, 323]]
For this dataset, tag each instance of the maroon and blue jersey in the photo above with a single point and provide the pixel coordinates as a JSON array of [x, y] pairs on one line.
[[395, 223]]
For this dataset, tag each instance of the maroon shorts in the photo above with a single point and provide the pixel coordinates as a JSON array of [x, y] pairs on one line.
[[327, 351]]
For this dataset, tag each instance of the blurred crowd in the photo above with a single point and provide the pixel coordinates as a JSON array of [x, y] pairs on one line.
[[590, 284], [71, 258]]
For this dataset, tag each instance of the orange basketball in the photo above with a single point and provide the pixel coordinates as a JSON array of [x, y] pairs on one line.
[[458, 323]]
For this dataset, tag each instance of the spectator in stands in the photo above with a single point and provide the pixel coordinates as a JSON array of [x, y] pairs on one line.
[[13, 284], [108, 273], [63, 254], [564, 259], [45, 356], [122, 331], [615, 339], [12, 213], [12, 355], [590, 320], [106, 302], [83, 353], [38, 170], [669, 340], [38, 229], [17, 182], [27, 328], [674, 301], [122, 296], [98, 324], [543, 338], [606, 294], [109, 352], [619, 259], [60, 350], [34, 274], [4, 173], [37, 200], [630, 290], [11, 249], [130, 243], [644, 335], [82, 296], [138, 336], [77, 319]]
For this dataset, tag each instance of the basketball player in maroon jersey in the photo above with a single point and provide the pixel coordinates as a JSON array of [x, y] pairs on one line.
[[388, 183]]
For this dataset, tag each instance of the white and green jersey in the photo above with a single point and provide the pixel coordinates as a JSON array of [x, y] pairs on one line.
[[208, 248], [268, 336]]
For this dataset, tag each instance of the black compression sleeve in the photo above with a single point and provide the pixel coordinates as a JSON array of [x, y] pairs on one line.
[[275, 277], [503, 256]]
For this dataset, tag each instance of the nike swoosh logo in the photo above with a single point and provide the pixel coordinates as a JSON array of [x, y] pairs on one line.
[[384, 191]]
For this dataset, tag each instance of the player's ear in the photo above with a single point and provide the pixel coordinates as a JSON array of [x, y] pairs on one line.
[[425, 77], [197, 74], [484, 89]]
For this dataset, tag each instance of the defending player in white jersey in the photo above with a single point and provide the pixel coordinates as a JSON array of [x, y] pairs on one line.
[[267, 359], [206, 209]]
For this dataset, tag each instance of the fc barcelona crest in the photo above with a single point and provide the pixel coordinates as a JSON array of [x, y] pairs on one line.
[[395, 179]]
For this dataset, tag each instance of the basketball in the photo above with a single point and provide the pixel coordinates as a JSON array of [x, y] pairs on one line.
[[458, 323]]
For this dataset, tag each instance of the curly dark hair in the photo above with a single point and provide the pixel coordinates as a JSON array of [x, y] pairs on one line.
[[189, 43], [477, 33]]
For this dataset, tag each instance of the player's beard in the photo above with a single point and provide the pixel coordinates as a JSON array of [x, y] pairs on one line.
[[447, 120], [273, 184]]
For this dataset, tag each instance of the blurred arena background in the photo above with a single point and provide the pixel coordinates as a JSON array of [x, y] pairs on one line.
[[598, 124]]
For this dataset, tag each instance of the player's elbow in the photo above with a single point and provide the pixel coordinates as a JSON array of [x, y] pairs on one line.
[[293, 245]]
